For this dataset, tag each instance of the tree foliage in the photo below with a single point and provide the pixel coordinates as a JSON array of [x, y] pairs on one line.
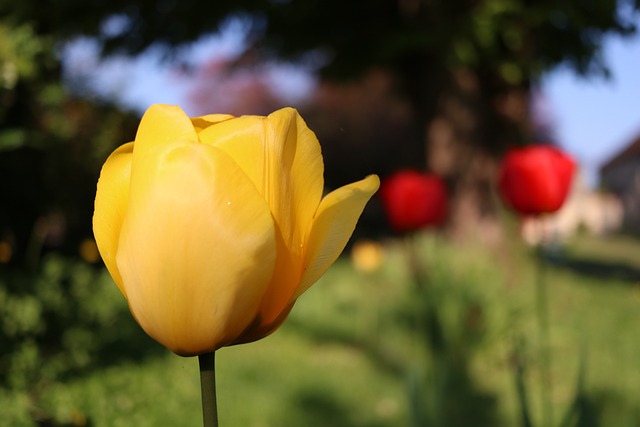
[[431, 66], [470, 54], [355, 35], [499, 45], [51, 146]]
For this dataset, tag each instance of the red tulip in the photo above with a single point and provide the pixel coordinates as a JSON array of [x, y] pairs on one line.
[[413, 200], [535, 179]]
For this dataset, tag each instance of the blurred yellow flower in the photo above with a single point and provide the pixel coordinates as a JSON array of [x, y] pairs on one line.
[[367, 255], [5, 252], [212, 227], [89, 251]]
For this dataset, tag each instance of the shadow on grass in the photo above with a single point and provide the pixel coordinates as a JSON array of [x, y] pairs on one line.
[[602, 408], [317, 407], [321, 334], [595, 268], [448, 396], [465, 404]]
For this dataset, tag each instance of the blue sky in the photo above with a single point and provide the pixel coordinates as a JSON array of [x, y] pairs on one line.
[[593, 118], [596, 118]]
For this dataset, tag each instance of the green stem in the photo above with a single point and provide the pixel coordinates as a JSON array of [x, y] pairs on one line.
[[207, 363], [428, 319], [525, 417], [545, 356], [429, 328]]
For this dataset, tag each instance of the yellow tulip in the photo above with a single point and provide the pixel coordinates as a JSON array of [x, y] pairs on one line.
[[212, 227], [367, 256]]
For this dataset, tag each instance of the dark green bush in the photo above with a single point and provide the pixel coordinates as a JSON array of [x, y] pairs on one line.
[[58, 321]]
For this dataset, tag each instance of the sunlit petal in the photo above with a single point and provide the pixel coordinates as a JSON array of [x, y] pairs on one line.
[[332, 227], [162, 124], [282, 157], [112, 197], [203, 122], [285, 279], [213, 226], [195, 268]]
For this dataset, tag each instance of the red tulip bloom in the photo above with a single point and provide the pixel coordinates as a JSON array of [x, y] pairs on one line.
[[535, 179], [413, 200]]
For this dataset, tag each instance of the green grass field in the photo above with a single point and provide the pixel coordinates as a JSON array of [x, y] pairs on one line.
[[354, 351]]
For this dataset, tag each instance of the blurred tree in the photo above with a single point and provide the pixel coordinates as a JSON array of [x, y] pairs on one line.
[[443, 81], [52, 144], [425, 43], [464, 69], [219, 85]]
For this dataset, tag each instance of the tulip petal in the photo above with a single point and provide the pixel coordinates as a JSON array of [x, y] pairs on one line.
[[162, 124], [197, 247], [203, 122], [258, 329], [112, 197], [332, 227], [282, 157]]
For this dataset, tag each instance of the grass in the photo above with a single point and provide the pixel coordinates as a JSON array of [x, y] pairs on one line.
[[353, 351]]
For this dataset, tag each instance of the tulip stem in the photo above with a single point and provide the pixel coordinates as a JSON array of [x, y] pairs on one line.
[[207, 363], [543, 326]]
